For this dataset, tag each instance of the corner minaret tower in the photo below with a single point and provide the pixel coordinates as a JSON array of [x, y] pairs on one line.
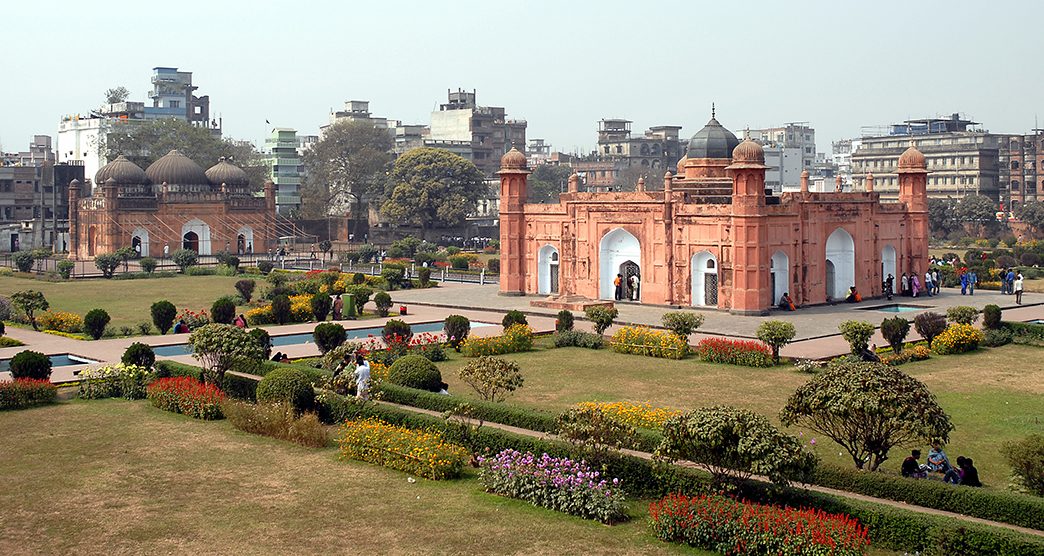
[[913, 191], [751, 289], [513, 175]]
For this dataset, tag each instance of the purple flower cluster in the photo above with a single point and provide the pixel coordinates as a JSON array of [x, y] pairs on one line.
[[560, 484]]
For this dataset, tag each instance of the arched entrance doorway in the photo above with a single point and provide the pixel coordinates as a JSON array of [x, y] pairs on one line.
[[190, 241], [888, 263], [197, 233], [140, 242], [245, 240], [704, 280], [547, 270], [92, 240], [840, 258], [618, 253], [780, 270]]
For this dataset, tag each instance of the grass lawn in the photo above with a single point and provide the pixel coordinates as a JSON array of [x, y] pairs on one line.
[[124, 477], [992, 396], [127, 301]]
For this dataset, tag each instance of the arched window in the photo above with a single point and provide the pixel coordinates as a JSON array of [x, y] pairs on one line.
[[710, 264], [1014, 164]]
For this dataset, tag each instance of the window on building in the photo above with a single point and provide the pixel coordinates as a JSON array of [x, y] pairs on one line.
[[175, 104], [1014, 185], [619, 149], [606, 149], [1014, 164]]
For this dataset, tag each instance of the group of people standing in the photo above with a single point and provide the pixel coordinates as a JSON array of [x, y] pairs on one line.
[[911, 286], [964, 474], [1012, 284], [631, 283]]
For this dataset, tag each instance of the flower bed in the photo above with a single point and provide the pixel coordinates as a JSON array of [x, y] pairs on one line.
[[62, 321], [517, 338], [747, 353], [732, 527], [642, 415], [26, 392], [957, 338], [194, 319], [641, 340], [559, 484], [188, 396], [300, 311], [114, 381], [422, 453]]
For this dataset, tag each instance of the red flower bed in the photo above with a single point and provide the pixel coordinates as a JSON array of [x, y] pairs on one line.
[[26, 392], [188, 396], [734, 527], [748, 353]]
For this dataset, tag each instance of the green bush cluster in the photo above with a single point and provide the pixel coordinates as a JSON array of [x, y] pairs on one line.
[[564, 321], [602, 317], [512, 318], [95, 321], [289, 386], [682, 323], [328, 335], [30, 364], [416, 371], [578, 338], [457, 328], [1026, 458], [139, 354]]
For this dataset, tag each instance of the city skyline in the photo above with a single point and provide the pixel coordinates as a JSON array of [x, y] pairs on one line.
[[568, 66]]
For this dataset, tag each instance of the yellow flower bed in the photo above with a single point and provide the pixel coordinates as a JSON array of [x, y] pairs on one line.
[[642, 415], [642, 340], [517, 338], [300, 311], [62, 321], [422, 453], [957, 338]]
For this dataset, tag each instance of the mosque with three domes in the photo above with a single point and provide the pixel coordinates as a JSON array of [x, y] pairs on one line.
[[712, 236], [173, 204]]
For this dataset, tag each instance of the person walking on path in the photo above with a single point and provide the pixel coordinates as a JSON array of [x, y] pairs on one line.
[[964, 283], [972, 280], [928, 283], [1017, 288], [915, 284], [1010, 280], [338, 307], [935, 281]]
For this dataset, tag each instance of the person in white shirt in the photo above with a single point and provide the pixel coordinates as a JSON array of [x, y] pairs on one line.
[[362, 377], [1018, 289]]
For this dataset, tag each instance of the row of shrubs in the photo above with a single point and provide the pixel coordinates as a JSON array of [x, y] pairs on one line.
[[893, 528], [22, 393]]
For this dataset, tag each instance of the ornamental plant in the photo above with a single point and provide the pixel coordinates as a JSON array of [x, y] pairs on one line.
[[23, 260], [559, 484], [564, 321], [188, 396], [857, 333], [602, 316], [287, 385], [512, 318], [277, 420], [138, 354], [747, 353], [776, 334], [423, 453], [416, 371], [957, 338], [30, 364], [280, 309], [577, 338], [457, 328], [1026, 458], [223, 311], [148, 265], [642, 340], [328, 335], [114, 381], [246, 287], [220, 347], [894, 331], [962, 314], [594, 433], [493, 378], [62, 321], [65, 268], [95, 321], [163, 314], [185, 258], [29, 302], [640, 415], [729, 526], [107, 263], [735, 444], [682, 323], [320, 303], [21, 393], [383, 302], [991, 317], [195, 319], [396, 330], [929, 325], [867, 408], [515, 339]]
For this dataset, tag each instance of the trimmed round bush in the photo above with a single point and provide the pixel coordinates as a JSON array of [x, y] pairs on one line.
[[95, 321], [163, 313], [265, 267], [991, 317], [321, 304], [263, 339], [396, 327], [31, 364], [383, 302], [513, 317], [564, 321], [286, 385], [415, 371], [424, 275], [245, 287], [328, 335], [493, 265], [281, 309], [223, 311], [457, 328], [148, 265], [65, 268], [358, 278], [139, 354]]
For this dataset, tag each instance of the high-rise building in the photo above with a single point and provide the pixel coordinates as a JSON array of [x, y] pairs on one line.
[[33, 201], [1021, 168], [285, 168], [485, 130]]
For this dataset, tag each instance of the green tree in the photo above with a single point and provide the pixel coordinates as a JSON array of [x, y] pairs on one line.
[[116, 94], [184, 258], [546, 182], [219, 347], [95, 321], [776, 333], [941, 217], [163, 313], [894, 331], [857, 333], [602, 317], [1032, 213], [107, 263], [868, 408], [492, 378], [594, 433], [682, 323], [23, 260], [735, 444], [30, 301], [432, 187], [144, 143], [348, 165]]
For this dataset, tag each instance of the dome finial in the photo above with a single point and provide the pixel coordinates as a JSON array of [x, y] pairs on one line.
[[713, 111]]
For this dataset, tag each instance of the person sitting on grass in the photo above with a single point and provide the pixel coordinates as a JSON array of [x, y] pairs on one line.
[[785, 303], [939, 463], [181, 327], [969, 474], [912, 468]]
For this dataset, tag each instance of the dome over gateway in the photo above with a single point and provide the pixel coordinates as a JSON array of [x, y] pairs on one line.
[[513, 160], [123, 172], [175, 168], [713, 141], [224, 172]]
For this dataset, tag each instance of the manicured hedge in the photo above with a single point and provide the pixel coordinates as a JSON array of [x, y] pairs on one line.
[[1016, 509], [893, 528], [234, 386], [26, 392], [315, 375], [540, 421]]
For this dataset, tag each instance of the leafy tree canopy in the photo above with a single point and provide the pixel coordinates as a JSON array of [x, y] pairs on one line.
[[348, 164], [116, 94], [433, 187], [546, 182]]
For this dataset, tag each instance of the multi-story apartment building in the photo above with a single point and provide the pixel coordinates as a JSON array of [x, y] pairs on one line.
[[659, 148], [81, 137], [34, 197], [797, 137], [962, 160], [486, 129], [1021, 164], [283, 159]]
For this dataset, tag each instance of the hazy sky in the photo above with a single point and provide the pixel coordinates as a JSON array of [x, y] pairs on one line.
[[560, 65]]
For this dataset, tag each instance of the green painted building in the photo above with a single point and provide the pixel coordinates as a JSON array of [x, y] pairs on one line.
[[285, 168]]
